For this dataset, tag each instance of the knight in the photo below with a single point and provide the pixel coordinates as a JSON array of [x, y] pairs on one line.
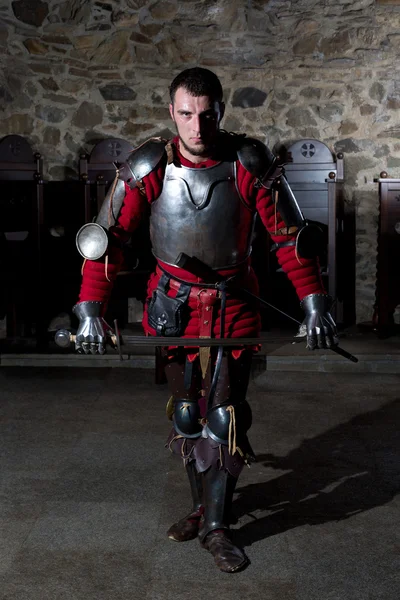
[[203, 189]]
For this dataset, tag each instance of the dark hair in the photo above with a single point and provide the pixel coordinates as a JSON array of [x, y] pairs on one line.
[[198, 82]]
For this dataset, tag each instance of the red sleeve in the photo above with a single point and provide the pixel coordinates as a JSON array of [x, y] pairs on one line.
[[98, 276], [303, 273]]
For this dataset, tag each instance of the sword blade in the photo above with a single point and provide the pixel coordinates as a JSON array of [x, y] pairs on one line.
[[118, 339], [156, 341]]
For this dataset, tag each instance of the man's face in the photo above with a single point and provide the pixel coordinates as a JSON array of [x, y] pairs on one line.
[[197, 122]]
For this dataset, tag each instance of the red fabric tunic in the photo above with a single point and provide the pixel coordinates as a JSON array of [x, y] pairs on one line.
[[242, 318]]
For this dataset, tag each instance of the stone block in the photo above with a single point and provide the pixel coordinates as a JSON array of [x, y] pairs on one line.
[[17, 124], [51, 136], [163, 10], [51, 114], [393, 103], [249, 97], [367, 109], [307, 45], [337, 44], [114, 50], [299, 117], [117, 92], [35, 46], [348, 127], [125, 19], [87, 115], [311, 93], [60, 99], [377, 91], [31, 12], [139, 38], [331, 112], [5, 95], [75, 11], [136, 4]]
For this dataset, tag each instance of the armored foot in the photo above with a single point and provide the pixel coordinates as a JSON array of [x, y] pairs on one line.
[[228, 557], [186, 529]]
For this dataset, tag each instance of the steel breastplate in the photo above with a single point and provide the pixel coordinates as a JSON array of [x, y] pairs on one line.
[[201, 213]]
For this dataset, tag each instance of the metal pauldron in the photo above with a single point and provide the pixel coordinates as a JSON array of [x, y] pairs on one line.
[[92, 239], [142, 161], [258, 159]]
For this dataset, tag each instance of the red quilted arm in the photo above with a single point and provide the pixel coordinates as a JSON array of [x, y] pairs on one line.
[[98, 276], [303, 273]]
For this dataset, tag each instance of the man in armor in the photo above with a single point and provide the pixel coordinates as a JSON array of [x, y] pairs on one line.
[[203, 189]]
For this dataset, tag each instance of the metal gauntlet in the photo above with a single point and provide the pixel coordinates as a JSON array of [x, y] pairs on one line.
[[93, 329], [318, 323]]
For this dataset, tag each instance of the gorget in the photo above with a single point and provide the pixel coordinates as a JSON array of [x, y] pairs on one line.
[[200, 212]]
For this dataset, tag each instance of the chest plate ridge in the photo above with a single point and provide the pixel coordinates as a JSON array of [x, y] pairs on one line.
[[201, 213]]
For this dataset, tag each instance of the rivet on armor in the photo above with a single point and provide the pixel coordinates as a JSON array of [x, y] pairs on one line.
[[206, 322], [332, 175]]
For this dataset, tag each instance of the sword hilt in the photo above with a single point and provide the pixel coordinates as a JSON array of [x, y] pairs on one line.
[[65, 338]]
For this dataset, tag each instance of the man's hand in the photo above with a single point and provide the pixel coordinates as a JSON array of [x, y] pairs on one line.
[[318, 324], [93, 331]]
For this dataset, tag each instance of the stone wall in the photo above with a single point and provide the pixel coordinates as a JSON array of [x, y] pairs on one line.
[[75, 71]]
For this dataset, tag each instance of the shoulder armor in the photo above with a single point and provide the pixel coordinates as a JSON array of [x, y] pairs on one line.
[[255, 157], [143, 160]]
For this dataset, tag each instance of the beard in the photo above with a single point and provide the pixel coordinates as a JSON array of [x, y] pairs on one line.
[[203, 150]]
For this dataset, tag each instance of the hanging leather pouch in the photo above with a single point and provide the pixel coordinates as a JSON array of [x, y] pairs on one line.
[[168, 316]]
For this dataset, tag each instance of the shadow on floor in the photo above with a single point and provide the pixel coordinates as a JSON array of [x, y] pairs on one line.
[[349, 469]]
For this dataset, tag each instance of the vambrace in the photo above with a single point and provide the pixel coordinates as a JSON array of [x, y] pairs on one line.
[[258, 160]]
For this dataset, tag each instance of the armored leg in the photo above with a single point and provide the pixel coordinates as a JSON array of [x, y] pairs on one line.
[[220, 454], [184, 384], [214, 532], [188, 527]]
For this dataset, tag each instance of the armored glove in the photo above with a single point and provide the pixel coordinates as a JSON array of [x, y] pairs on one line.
[[93, 330], [318, 324]]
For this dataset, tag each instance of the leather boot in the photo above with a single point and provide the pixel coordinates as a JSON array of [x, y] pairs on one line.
[[187, 528], [214, 532], [228, 557]]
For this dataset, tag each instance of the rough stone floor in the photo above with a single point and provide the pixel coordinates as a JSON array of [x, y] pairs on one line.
[[88, 491]]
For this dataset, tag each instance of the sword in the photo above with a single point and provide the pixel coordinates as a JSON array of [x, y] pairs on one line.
[[200, 269], [118, 339], [64, 338]]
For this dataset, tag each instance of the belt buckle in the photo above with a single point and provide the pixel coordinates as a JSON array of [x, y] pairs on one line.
[[209, 294]]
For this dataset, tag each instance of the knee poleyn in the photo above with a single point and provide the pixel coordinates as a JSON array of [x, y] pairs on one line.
[[227, 424], [187, 418]]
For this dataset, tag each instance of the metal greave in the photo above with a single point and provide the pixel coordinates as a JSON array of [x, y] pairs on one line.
[[219, 486], [196, 485]]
